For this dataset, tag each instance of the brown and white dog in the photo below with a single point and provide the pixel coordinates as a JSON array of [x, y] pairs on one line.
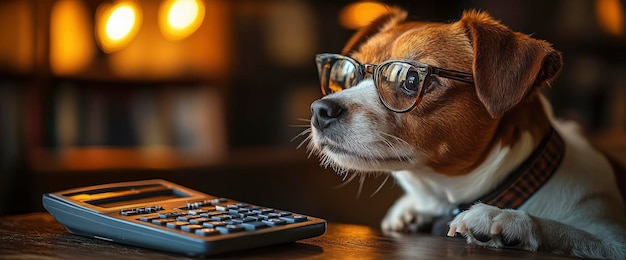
[[484, 151]]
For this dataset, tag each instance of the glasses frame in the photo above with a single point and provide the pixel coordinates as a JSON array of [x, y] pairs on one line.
[[361, 70]]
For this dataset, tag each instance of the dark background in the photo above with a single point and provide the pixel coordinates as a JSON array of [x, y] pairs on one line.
[[255, 102]]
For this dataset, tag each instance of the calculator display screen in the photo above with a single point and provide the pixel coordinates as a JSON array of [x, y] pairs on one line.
[[126, 195]]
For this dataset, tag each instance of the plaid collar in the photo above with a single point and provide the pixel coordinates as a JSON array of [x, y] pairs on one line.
[[528, 178]]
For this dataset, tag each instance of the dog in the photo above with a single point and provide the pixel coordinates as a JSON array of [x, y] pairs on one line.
[[454, 112]]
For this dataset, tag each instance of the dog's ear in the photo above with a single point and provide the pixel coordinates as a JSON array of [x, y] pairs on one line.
[[507, 65], [380, 24]]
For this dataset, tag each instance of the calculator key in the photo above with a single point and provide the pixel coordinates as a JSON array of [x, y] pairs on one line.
[[242, 220], [130, 212], [211, 214], [176, 224], [237, 211], [221, 218], [171, 214], [262, 216], [221, 208], [191, 228], [148, 218], [254, 225], [197, 211], [217, 201], [162, 221], [186, 218], [294, 218], [263, 211], [274, 222], [214, 224], [199, 221], [230, 229], [273, 215], [284, 213], [207, 232]]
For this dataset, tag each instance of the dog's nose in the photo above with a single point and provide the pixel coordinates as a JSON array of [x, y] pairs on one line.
[[325, 112]]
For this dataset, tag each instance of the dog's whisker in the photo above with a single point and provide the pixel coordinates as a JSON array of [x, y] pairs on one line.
[[303, 120], [390, 144], [361, 182], [306, 139], [381, 186], [345, 182], [396, 138], [299, 125], [304, 132]]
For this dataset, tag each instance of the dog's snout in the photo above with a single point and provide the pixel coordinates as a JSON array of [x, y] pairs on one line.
[[325, 112]]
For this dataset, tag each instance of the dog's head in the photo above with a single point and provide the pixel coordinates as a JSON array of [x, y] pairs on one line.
[[457, 89]]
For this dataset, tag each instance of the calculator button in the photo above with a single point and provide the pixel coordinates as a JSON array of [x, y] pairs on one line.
[[221, 218], [221, 207], [148, 218], [261, 216], [230, 229], [162, 221], [130, 212], [207, 232], [214, 224], [263, 211], [217, 201], [176, 224], [254, 225], [197, 211], [284, 213], [294, 218], [275, 222], [186, 218], [171, 214], [199, 221], [211, 214], [242, 220], [191, 228]]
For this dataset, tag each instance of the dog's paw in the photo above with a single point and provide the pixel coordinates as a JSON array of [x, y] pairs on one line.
[[403, 217], [490, 226]]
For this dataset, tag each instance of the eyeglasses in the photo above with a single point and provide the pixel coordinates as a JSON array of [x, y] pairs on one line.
[[399, 82]]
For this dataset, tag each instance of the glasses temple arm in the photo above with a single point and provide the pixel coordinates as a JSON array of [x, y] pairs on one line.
[[454, 75]]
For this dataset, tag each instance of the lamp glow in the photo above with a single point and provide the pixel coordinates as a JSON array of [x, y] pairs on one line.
[[180, 18], [359, 14], [71, 44], [117, 25]]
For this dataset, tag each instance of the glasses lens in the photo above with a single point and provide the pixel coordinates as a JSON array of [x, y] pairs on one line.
[[400, 85], [336, 73]]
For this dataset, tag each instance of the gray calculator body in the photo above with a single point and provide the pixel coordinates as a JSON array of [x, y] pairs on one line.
[[148, 214]]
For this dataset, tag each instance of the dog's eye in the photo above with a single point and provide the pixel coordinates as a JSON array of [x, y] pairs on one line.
[[411, 84]]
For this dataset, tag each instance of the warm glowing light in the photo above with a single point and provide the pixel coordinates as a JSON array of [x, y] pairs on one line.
[[180, 18], [71, 42], [610, 16], [117, 24], [359, 14]]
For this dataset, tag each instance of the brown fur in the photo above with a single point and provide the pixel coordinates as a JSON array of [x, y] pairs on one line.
[[461, 123]]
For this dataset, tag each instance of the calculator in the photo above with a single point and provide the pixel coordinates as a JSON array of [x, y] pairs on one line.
[[161, 215]]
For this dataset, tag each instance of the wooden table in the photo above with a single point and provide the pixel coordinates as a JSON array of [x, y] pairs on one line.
[[39, 236]]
